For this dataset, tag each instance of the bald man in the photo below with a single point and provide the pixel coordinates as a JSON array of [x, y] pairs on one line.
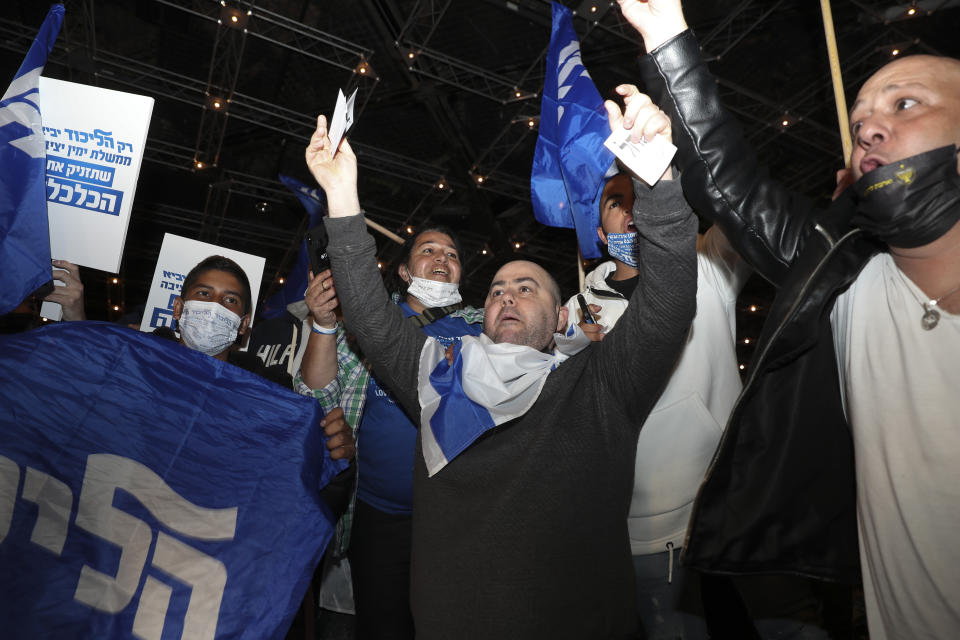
[[847, 428], [520, 530]]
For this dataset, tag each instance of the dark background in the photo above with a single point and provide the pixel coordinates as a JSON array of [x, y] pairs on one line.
[[448, 114]]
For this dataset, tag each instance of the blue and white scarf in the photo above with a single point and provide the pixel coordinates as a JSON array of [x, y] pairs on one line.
[[487, 384]]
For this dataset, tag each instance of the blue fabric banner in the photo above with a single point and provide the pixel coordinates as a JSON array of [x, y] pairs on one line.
[[570, 160], [151, 491], [24, 234], [314, 200]]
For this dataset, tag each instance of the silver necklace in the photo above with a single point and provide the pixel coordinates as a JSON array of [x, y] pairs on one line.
[[931, 315]]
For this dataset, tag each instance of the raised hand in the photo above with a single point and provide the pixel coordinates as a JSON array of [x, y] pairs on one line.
[[321, 298], [336, 174], [643, 118], [656, 20], [640, 116]]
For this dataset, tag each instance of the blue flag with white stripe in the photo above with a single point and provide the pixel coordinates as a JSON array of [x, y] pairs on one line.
[[148, 490], [570, 161], [314, 200], [468, 388], [24, 234]]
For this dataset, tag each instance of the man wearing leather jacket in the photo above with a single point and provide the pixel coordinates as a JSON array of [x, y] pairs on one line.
[[846, 431]]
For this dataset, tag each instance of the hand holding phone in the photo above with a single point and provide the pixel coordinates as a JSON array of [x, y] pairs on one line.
[[587, 316]]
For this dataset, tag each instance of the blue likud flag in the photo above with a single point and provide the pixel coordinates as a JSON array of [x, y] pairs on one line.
[[24, 234], [148, 490], [570, 160], [314, 200]]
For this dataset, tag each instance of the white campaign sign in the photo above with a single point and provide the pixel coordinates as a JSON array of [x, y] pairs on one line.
[[94, 143], [94, 146], [177, 256]]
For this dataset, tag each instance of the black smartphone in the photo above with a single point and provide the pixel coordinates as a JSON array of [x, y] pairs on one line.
[[587, 316], [316, 240]]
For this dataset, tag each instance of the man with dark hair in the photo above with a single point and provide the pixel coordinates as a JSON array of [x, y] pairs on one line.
[[524, 457], [213, 307], [859, 354], [679, 438]]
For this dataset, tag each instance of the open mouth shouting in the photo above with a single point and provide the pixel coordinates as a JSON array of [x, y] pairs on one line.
[[870, 163]]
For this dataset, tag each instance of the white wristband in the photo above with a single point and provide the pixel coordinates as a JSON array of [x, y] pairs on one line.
[[325, 331]]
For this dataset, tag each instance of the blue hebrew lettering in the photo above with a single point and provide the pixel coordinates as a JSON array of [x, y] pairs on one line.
[[161, 318], [104, 138]]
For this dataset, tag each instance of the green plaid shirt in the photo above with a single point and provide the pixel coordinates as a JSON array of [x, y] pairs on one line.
[[349, 391]]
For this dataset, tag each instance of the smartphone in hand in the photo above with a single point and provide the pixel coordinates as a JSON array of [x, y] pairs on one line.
[[587, 316], [316, 240]]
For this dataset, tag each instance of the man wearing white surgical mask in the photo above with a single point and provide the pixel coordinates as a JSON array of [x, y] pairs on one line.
[[380, 534], [213, 307]]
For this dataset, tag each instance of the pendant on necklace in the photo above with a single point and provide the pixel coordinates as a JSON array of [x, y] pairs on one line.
[[930, 318]]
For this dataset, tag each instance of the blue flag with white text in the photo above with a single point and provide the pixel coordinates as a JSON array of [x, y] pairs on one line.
[[148, 490], [24, 234], [314, 200], [570, 160]]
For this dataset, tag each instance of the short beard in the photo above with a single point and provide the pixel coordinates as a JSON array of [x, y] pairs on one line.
[[539, 338]]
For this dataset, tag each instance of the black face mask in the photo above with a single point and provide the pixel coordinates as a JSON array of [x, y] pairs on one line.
[[911, 202]]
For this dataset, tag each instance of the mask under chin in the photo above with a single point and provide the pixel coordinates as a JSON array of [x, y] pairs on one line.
[[910, 202]]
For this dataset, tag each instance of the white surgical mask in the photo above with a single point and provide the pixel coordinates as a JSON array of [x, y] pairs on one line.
[[434, 294], [624, 247], [208, 327]]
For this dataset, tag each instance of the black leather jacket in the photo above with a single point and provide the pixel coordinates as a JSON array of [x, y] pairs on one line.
[[780, 494]]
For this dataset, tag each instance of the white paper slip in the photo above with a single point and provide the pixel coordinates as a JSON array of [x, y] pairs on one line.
[[342, 118], [647, 160]]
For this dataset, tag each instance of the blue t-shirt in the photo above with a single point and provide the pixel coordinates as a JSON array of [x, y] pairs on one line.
[[387, 438]]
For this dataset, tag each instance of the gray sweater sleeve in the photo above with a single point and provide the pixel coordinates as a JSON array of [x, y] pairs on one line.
[[390, 343], [640, 352]]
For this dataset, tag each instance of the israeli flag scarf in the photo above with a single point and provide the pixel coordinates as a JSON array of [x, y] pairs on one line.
[[485, 385]]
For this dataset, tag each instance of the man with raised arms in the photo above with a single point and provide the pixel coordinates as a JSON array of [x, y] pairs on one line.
[[519, 525], [862, 340]]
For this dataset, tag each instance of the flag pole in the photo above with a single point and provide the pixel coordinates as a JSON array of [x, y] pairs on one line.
[[382, 229], [580, 274], [838, 95]]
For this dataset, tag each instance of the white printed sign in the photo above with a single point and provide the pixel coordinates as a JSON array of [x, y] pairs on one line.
[[177, 256], [94, 143]]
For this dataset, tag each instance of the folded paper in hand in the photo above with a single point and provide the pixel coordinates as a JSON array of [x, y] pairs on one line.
[[342, 118], [647, 160]]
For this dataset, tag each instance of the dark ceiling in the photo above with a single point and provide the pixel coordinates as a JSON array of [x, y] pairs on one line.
[[437, 104]]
